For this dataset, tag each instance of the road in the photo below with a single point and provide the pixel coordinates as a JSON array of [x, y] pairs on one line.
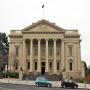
[[28, 87]]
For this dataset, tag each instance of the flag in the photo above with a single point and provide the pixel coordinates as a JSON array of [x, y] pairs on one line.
[[43, 6]]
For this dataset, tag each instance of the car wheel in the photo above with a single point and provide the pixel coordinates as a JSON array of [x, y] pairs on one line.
[[75, 87], [49, 85], [62, 86], [37, 84]]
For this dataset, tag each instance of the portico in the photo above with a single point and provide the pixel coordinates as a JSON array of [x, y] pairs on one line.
[[38, 52]]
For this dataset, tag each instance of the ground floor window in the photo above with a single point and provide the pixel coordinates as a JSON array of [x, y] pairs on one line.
[[58, 66], [28, 65], [50, 65], [16, 66], [35, 65], [70, 66]]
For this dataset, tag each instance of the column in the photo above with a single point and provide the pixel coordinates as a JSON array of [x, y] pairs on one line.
[[62, 56], [10, 56], [46, 69], [24, 56], [79, 55], [39, 58], [31, 55], [21, 56], [54, 60], [75, 57], [13, 56], [20, 62]]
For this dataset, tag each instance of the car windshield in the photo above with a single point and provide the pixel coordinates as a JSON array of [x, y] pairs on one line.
[[70, 81], [42, 78], [66, 80]]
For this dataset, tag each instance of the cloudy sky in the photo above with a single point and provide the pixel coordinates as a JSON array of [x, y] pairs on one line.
[[68, 14]]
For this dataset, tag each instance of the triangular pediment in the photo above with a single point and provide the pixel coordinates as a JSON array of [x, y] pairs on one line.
[[43, 26]]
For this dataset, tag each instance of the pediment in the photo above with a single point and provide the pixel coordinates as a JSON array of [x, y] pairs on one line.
[[43, 26]]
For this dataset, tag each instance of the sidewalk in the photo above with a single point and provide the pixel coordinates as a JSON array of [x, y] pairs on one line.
[[28, 82]]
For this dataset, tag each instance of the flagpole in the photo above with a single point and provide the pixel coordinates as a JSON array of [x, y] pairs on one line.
[[43, 9], [43, 12]]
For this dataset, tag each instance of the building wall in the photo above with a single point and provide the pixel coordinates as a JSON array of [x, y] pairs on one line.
[[69, 41]]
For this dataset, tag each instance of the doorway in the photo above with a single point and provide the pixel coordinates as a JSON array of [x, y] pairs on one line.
[[42, 68]]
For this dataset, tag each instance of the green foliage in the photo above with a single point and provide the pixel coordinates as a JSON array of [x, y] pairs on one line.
[[87, 71], [9, 74], [4, 48], [4, 45], [1, 75], [2, 66]]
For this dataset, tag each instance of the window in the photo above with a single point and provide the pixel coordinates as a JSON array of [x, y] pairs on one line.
[[70, 66], [17, 51], [58, 51], [70, 50], [16, 66], [50, 65], [43, 51], [28, 65], [35, 65], [35, 51], [57, 65], [50, 51]]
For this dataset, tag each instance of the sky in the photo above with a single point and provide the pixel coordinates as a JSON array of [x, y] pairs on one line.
[[68, 14]]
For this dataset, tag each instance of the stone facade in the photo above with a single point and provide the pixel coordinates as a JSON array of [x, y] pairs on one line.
[[45, 48]]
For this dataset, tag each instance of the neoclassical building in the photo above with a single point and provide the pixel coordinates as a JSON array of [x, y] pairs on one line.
[[44, 48]]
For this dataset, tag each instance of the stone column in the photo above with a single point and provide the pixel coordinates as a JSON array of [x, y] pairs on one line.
[[13, 56], [79, 56], [46, 69], [31, 55], [75, 57], [62, 56], [54, 60], [10, 56], [24, 56], [20, 63], [39, 58]]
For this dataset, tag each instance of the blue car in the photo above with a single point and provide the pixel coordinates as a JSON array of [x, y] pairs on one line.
[[41, 81]]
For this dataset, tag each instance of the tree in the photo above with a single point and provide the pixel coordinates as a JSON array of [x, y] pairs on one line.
[[4, 48], [88, 70]]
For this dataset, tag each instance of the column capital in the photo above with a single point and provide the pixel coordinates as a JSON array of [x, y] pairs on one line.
[[62, 40], [55, 39], [47, 39], [39, 39]]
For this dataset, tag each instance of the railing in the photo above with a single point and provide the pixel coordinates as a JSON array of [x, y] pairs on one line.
[[71, 32], [15, 32]]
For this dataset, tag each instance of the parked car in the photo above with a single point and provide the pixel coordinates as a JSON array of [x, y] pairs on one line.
[[41, 81], [68, 83]]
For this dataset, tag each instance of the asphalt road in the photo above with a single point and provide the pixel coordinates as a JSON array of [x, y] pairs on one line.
[[28, 87]]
